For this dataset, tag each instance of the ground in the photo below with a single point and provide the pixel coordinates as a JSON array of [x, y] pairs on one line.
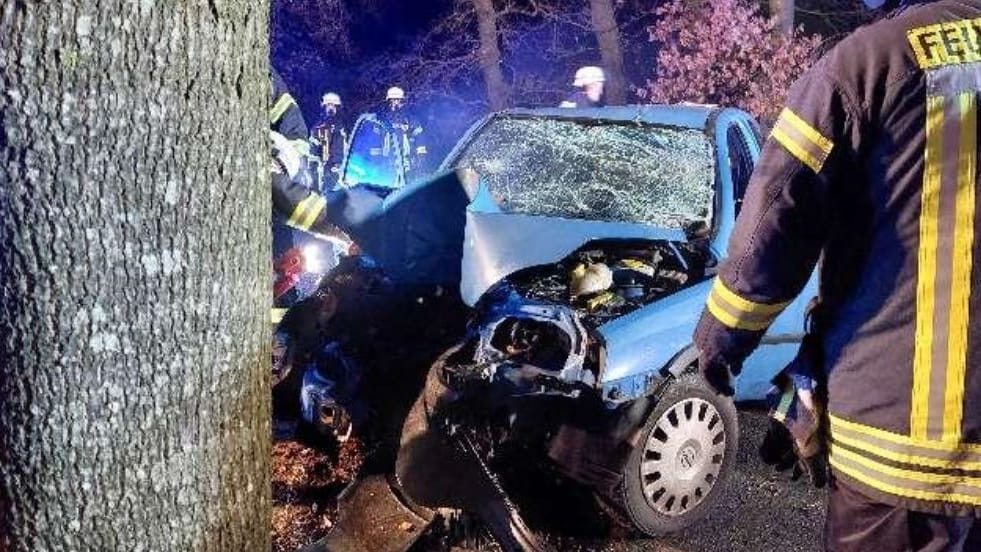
[[761, 511], [306, 482]]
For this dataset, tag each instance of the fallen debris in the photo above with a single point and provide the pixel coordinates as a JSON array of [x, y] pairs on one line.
[[306, 482]]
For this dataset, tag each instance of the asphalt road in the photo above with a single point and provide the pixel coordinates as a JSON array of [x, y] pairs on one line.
[[761, 510]]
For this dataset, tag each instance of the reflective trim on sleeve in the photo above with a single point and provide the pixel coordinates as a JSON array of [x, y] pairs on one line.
[[738, 312], [282, 105], [276, 315], [802, 140], [306, 212]]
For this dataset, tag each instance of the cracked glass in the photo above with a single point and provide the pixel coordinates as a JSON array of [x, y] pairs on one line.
[[596, 170]]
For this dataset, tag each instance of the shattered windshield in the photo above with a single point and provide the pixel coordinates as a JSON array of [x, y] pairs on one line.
[[628, 172]]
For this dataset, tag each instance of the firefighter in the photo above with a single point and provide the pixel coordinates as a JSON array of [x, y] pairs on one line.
[[591, 82], [329, 140], [872, 167], [293, 198], [286, 119], [404, 139]]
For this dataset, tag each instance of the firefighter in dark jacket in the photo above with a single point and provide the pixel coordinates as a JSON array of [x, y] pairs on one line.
[[329, 140], [404, 141], [872, 167], [293, 199]]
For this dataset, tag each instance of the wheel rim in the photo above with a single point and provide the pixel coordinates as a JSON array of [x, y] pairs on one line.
[[682, 457]]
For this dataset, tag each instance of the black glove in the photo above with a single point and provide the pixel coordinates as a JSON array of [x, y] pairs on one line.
[[780, 451], [796, 436], [720, 375]]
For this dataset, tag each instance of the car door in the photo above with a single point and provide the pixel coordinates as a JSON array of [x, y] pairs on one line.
[[372, 158], [781, 341]]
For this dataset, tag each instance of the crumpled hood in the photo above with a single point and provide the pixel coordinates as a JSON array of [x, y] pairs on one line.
[[444, 231], [497, 244]]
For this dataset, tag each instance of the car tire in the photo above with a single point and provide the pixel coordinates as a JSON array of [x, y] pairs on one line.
[[684, 456]]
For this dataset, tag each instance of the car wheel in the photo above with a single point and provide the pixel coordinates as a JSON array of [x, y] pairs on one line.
[[685, 455]]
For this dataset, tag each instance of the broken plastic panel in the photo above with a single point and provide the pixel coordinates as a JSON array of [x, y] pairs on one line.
[[570, 168]]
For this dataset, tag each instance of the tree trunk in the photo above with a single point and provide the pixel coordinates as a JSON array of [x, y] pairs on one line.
[[783, 12], [490, 55], [134, 276], [608, 38]]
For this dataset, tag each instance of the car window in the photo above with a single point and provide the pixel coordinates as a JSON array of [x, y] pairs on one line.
[[627, 172], [740, 163], [371, 158]]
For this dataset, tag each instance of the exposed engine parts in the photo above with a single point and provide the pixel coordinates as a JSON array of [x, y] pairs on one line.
[[607, 279]]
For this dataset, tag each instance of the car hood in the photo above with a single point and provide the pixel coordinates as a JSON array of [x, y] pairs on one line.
[[446, 231]]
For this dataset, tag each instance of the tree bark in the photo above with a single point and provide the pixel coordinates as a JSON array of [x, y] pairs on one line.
[[783, 13], [608, 38], [134, 275], [489, 55]]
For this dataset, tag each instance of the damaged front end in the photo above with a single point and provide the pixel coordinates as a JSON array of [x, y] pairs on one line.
[[539, 304], [533, 358]]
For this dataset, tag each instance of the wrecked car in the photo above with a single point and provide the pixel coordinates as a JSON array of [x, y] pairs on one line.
[[560, 289]]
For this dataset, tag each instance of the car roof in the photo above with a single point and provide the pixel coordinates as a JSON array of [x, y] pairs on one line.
[[686, 116]]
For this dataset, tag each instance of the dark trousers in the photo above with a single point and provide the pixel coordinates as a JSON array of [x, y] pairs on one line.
[[857, 523]]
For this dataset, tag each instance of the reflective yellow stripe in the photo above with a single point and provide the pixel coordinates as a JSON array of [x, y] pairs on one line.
[[299, 213], [963, 263], [280, 107], [807, 130], [912, 475], [797, 151], [738, 312], [901, 439], [276, 315], [902, 491], [745, 304], [314, 210], [927, 269], [905, 457], [731, 321]]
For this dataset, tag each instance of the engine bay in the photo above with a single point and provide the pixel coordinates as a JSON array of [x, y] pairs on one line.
[[607, 279]]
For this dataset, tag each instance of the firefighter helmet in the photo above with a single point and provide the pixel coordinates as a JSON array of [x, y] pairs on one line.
[[331, 98], [589, 75], [395, 93]]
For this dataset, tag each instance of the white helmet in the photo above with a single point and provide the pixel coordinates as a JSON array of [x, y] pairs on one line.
[[395, 93], [589, 75], [331, 98]]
